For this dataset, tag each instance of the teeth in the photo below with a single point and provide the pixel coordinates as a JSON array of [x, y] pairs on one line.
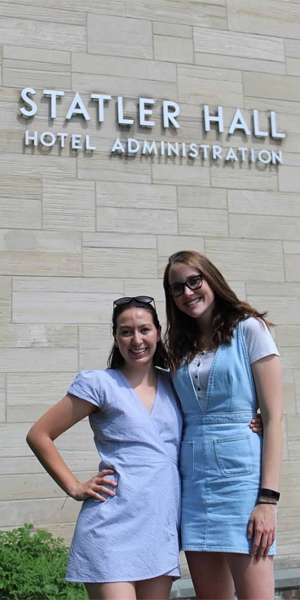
[[138, 351], [193, 301]]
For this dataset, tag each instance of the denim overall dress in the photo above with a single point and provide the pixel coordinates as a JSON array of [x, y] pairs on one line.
[[220, 459]]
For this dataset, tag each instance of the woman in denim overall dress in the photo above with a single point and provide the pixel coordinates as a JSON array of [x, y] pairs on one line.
[[225, 364]]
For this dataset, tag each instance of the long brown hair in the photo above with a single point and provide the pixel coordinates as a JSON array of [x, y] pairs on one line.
[[182, 335], [115, 359]]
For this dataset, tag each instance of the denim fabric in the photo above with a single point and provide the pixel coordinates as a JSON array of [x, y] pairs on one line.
[[220, 460]]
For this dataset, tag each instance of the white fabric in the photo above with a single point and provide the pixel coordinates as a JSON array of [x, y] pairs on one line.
[[259, 343]]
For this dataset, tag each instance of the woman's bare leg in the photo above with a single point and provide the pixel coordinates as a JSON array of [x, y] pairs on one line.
[[122, 590], [254, 579], [211, 575], [157, 588]]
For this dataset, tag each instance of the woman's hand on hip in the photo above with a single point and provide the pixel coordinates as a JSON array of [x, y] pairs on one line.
[[262, 529], [94, 487], [257, 425]]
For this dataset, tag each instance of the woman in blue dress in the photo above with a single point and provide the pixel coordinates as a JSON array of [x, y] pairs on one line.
[[125, 544], [225, 364]]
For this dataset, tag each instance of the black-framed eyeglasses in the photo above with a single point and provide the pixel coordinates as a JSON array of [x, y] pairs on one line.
[[193, 283], [128, 299]]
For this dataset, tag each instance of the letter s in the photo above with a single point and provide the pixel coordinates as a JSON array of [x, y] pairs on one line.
[[24, 95]]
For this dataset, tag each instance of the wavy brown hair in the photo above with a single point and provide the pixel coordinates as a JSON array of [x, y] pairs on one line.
[[183, 337]]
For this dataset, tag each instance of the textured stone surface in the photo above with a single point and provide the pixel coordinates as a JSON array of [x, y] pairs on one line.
[[42, 34], [2, 398], [119, 36], [279, 18], [69, 206], [127, 195], [171, 48], [238, 44], [79, 229], [5, 299], [208, 14]]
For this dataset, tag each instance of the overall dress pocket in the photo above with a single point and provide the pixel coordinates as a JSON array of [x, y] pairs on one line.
[[234, 455], [186, 465]]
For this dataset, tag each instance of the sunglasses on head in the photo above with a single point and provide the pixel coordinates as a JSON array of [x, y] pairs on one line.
[[128, 299], [193, 283]]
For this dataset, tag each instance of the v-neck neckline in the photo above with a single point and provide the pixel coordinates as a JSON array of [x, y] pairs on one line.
[[137, 396]]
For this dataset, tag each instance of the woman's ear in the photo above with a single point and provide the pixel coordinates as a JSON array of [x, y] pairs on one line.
[[116, 343], [159, 334]]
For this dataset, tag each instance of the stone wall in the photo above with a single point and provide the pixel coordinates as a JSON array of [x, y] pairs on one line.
[[80, 228]]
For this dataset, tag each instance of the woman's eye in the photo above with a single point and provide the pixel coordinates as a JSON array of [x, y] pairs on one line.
[[193, 281]]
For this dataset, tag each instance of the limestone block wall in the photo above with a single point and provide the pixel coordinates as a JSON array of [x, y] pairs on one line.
[[80, 228]]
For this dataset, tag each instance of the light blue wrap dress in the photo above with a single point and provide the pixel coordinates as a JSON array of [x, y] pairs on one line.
[[133, 535]]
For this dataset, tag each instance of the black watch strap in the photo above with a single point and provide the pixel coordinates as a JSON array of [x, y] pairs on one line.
[[269, 493]]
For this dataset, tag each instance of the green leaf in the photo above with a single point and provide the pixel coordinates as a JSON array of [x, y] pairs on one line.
[[32, 567]]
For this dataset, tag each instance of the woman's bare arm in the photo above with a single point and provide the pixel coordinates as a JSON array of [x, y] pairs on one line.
[[268, 380], [58, 419]]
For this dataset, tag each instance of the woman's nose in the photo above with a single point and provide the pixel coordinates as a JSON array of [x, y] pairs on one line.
[[136, 337], [186, 291]]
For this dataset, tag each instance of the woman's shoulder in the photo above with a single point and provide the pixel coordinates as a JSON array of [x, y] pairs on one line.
[[254, 325], [97, 379], [92, 385], [258, 338], [93, 375]]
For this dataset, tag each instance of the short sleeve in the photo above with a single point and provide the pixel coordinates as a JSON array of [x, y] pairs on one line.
[[87, 385], [259, 341]]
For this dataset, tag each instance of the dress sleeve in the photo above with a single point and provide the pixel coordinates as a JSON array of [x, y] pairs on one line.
[[259, 341], [87, 385]]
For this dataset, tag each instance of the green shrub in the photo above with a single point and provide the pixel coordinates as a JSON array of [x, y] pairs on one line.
[[32, 567]]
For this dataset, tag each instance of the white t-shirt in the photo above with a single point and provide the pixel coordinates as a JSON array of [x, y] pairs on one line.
[[259, 343]]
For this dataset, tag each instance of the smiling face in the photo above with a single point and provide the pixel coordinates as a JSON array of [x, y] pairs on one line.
[[136, 336], [198, 303]]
